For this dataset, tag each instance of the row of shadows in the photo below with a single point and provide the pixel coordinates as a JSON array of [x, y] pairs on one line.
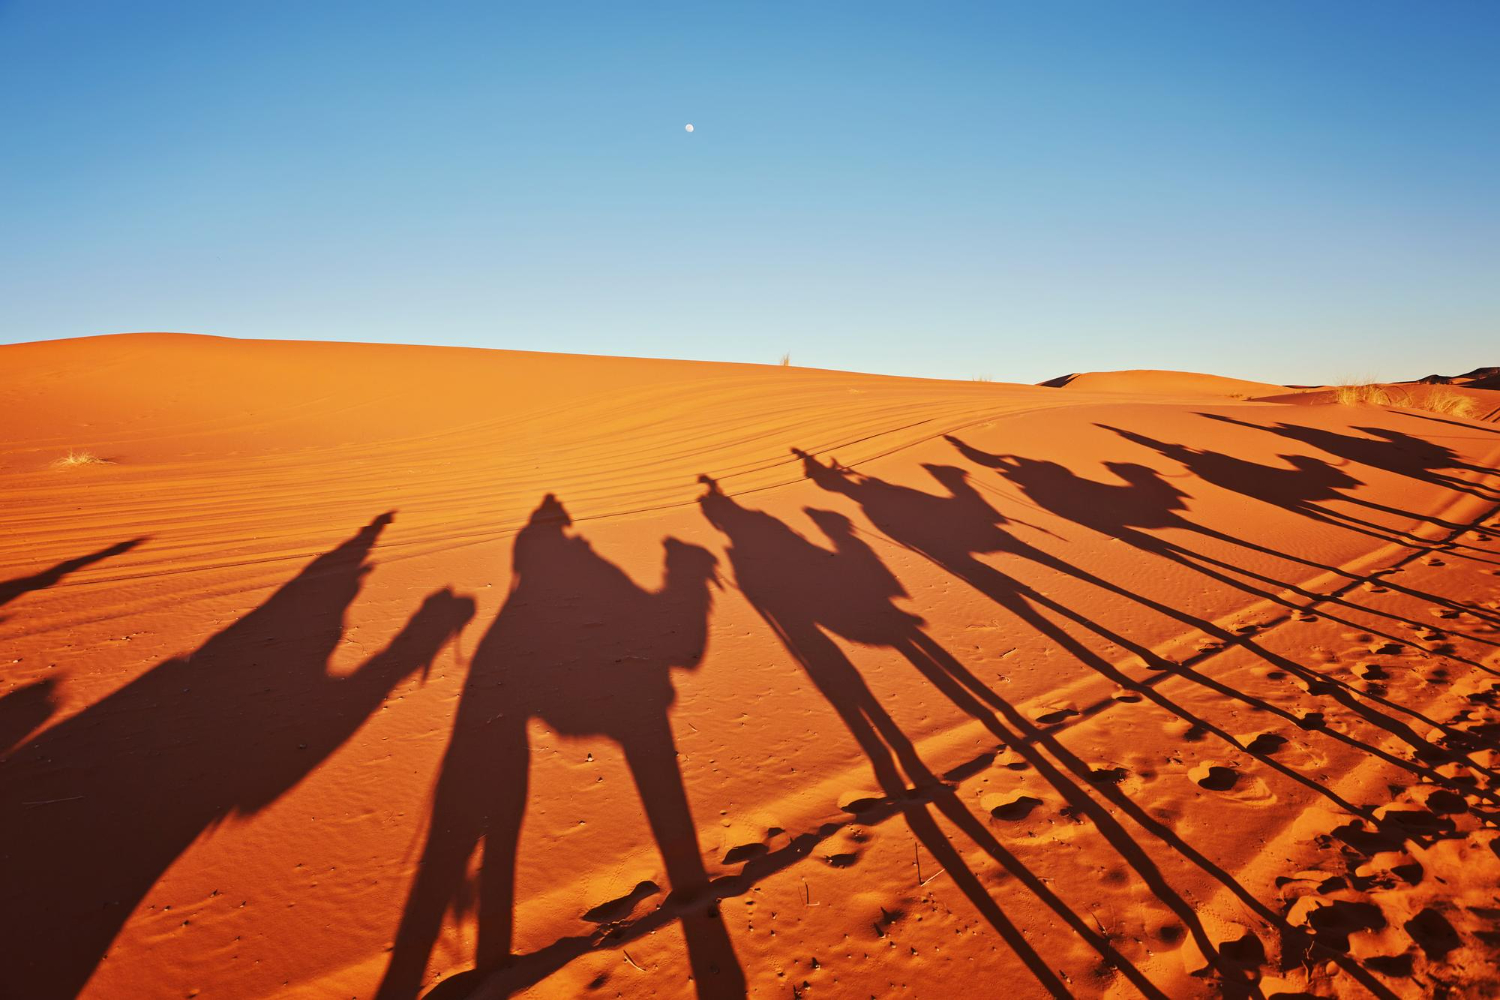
[[254, 710]]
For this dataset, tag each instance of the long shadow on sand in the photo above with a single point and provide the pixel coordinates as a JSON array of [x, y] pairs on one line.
[[1311, 484], [12, 589], [1145, 500], [805, 592], [533, 665], [581, 646], [951, 529], [95, 809], [1387, 450], [26, 708]]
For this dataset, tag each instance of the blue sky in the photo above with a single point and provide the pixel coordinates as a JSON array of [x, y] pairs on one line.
[[1295, 192]]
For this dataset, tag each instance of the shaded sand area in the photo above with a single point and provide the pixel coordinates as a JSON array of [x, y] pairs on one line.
[[375, 671]]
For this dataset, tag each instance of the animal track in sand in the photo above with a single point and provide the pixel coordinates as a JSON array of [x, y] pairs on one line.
[[1214, 777], [1010, 760], [860, 800], [1289, 752], [616, 910], [741, 853], [1308, 719], [1048, 715], [1107, 775], [1009, 806], [1266, 743]]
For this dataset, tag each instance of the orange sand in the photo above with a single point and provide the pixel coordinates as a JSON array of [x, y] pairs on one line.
[[357, 670]]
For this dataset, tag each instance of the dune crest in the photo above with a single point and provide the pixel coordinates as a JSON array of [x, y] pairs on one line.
[[1165, 383]]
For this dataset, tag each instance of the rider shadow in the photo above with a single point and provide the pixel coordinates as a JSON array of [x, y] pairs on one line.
[[1305, 489], [1384, 449], [96, 808], [580, 646], [951, 531], [807, 593], [1146, 501]]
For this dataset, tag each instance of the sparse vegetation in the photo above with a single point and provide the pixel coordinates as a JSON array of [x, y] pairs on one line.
[[982, 378], [1352, 393], [786, 360], [1441, 399], [73, 458], [1438, 399]]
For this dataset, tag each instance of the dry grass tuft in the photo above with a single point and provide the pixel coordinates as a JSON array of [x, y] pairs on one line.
[[982, 378], [75, 458], [1353, 393], [1445, 401], [786, 360], [1439, 399]]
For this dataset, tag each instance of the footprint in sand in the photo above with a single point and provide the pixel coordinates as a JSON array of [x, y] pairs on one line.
[[741, 853], [1214, 777], [1010, 760], [1048, 715], [618, 909], [860, 800], [1009, 806], [1266, 744], [1309, 719], [1316, 685]]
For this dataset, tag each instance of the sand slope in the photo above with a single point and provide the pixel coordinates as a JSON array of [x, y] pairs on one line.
[[1149, 382], [354, 667]]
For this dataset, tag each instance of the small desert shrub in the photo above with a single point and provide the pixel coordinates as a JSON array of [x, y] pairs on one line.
[[1439, 399], [73, 458], [1444, 400], [1362, 392], [786, 360], [982, 378]]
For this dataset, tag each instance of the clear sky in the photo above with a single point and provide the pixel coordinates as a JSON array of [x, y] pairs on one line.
[[1296, 192]]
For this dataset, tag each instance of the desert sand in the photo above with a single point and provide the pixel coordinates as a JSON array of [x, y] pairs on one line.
[[374, 671]]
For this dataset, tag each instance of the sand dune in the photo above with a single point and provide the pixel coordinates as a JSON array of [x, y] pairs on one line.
[[360, 670], [1163, 383]]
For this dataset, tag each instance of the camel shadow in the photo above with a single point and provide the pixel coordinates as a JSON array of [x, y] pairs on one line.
[[579, 645], [94, 809]]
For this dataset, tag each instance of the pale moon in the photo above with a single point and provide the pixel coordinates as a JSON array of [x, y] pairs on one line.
[[688, 127]]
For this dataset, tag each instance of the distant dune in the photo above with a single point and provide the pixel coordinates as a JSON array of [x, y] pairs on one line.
[[365, 670], [1148, 382], [1479, 378]]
